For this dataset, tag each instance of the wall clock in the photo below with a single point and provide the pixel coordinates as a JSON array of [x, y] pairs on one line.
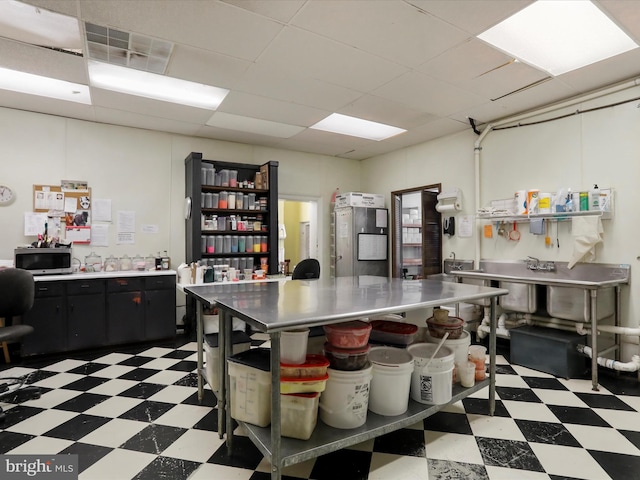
[[6, 195]]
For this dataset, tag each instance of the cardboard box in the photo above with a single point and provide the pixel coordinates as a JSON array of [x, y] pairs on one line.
[[259, 181], [357, 199], [264, 170]]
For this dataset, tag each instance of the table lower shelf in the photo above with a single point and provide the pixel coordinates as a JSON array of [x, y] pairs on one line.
[[326, 439]]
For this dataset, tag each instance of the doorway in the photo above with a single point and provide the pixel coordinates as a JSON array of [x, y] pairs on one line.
[[299, 228]]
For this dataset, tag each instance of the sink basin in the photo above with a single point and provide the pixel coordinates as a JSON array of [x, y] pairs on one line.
[[522, 297], [574, 303], [451, 265]]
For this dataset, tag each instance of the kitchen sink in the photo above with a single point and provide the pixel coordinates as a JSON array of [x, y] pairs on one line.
[[574, 303], [522, 297]]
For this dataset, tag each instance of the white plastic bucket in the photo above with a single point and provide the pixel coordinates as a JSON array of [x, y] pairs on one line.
[[345, 400], [390, 380], [460, 347], [293, 346], [433, 384]]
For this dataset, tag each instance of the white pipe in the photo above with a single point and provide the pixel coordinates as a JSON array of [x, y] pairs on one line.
[[632, 366], [633, 331]]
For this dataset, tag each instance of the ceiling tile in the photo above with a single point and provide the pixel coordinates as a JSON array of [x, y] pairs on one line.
[[140, 120], [397, 31], [281, 11], [428, 94], [203, 66], [301, 52], [378, 109]]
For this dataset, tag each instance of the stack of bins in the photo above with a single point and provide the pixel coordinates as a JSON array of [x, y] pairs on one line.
[[345, 400], [300, 387]]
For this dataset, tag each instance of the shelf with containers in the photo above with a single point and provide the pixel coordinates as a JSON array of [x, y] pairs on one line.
[[231, 213]]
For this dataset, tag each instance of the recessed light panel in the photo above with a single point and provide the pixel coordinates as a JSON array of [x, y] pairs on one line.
[[356, 127], [43, 86], [150, 85], [559, 35]]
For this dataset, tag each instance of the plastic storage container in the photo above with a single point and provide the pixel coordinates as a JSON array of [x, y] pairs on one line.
[[390, 380], [293, 345], [241, 343], [353, 334], [431, 385], [345, 401], [346, 359], [396, 333], [251, 386], [313, 366], [299, 415], [453, 325], [303, 385]]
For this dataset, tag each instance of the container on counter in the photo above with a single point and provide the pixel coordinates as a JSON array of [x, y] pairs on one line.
[[111, 264], [93, 262], [431, 384], [215, 199], [352, 334], [224, 178], [313, 366], [263, 244], [233, 178], [346, 359], [251, 386], [211, 246], [345, 400], [256, 243], [249, 244], [242, 243], [252, 201], [299, 415], [303, 384], [125, 263], [226, 247], [231, 200], [396, 333], [391, 380]]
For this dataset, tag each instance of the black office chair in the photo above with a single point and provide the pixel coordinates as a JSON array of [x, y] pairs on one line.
[[17, 289], [306, 269]]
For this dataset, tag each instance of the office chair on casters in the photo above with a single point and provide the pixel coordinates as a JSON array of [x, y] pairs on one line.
[[306, 269], [17, 289]]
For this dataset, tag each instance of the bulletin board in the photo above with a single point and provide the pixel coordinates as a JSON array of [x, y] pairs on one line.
[[71, 205]]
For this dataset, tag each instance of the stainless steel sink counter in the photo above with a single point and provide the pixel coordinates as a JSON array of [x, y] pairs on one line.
[[586, 275]]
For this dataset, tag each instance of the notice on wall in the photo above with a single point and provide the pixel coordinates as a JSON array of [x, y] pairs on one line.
[[78, 234], [100, 235], [372, 246], [101, 210], [465, 225], [34, 223]]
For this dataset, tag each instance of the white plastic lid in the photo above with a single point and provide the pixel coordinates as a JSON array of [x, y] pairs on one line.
[[390, 356]]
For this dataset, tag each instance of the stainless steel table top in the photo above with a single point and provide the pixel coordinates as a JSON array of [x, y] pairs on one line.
[[277, 306]]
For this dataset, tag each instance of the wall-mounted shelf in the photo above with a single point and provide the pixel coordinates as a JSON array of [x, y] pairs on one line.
[[558, 216]]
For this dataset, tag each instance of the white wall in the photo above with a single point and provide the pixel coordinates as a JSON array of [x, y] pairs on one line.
[[140, 171], [598, 147]]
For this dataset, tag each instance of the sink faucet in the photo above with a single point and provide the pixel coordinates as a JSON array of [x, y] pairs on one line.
[[455, 266], [534, 264]]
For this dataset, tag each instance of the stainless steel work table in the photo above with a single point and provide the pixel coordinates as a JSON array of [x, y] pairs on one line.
[[272, 307]]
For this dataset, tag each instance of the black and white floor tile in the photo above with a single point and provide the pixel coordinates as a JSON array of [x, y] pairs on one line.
[[133, 414]]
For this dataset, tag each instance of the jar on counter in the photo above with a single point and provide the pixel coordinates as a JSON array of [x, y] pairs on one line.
[[93, 263], [111, 264], [138, 263], [150, 262], [125, 263]]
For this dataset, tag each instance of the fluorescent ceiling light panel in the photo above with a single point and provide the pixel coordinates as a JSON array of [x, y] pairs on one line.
[[43, 86], [37, 26], [559, 35], [150, 85], [356, 127], [253, 125]]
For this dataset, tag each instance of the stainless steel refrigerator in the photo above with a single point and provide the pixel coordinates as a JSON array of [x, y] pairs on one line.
[[361, 241]]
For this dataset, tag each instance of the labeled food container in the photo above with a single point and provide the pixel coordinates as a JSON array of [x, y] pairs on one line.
[[299, 415], [353, 334], [303, 385], [241, 343], [396, 333], [345, 402], [314, 366], [431, 383], [453, 325], [251, 386], [346, 359]]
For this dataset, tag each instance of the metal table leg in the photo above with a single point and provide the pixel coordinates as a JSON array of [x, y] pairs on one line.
[[224, 401], [276, 473], [492, 357], [594, 339], [199, 342]]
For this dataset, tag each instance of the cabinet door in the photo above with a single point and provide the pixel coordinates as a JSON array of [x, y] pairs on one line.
[[125, 317], [48, 319], [86, 321], [160, 314]]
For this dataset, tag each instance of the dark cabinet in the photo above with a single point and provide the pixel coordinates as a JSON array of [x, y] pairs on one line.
[[94, 312], [86, 319], [125, 310], [160, 298], [48, 317]]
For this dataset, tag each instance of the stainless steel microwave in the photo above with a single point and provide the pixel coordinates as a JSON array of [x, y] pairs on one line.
[[44, 261]]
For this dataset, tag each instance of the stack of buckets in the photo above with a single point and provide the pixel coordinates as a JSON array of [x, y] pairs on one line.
[[344, 402]]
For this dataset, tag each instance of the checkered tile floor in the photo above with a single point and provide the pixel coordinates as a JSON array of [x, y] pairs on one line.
[[133, 414]]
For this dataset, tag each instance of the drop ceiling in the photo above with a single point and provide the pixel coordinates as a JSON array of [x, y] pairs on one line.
[[413, 64]]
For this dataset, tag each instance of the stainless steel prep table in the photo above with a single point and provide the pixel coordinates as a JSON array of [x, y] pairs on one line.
[[272, 307]]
